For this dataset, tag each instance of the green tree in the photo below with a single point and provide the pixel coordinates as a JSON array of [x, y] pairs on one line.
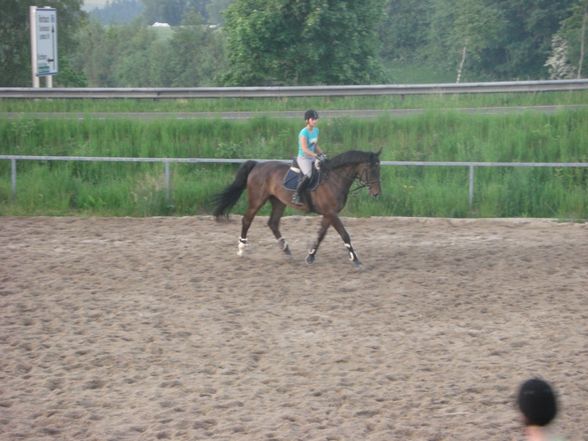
[[215, 11], [196, 54], [558, 63], [574, 32], [136, 59], [303, 42], [121, 55], [99, 52], [136, 55], [526, 40], [495, 39], [462, 30], [15, 55], [405, 29]]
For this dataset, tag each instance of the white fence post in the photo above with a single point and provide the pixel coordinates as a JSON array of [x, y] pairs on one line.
[[167, 182], [471, 187], [13, 177]]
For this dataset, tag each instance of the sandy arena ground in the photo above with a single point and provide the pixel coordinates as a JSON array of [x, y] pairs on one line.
[[150, 329]]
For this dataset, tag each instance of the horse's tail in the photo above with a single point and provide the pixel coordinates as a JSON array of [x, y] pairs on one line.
[[226, 199]]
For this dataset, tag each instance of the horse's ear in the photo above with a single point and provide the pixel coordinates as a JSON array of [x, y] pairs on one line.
[[379, 151]]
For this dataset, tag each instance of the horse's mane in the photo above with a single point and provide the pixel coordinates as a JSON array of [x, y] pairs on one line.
[[350, 157]]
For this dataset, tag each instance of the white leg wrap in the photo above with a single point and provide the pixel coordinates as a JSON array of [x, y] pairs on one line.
[[242, 246], [282, 243], [349, 250]]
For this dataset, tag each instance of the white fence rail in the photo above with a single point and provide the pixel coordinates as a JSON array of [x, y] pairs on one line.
[[294, 91], [471, 166]]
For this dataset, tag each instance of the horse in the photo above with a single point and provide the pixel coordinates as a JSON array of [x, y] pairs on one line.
[[264, 181]]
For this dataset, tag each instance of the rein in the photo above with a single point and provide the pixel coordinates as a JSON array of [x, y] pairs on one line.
[[361, 179], [364, 181], [360, 185]]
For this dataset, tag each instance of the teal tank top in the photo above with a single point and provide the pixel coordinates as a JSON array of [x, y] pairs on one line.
[[311, 140]]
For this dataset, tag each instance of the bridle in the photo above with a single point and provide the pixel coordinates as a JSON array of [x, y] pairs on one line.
[[364, 179]]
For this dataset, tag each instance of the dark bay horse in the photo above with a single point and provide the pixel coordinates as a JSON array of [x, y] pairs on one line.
[[264, 182]]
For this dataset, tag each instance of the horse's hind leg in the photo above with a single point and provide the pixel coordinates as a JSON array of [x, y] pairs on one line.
[[254, 206], [274, 224]]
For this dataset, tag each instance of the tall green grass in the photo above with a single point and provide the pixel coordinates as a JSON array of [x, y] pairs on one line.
[[133, 189], [295, 103]]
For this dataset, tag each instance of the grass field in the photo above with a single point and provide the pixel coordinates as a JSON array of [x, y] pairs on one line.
[[439, 134]]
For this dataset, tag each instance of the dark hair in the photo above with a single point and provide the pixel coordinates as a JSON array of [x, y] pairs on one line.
[[537, 402], [310, 114]]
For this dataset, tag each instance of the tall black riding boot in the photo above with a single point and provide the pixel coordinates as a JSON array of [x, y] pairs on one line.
[[299, 189]]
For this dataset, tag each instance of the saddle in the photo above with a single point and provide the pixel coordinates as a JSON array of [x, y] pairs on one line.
[[294, 174]]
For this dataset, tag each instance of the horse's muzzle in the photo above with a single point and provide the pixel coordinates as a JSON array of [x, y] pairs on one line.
[[375, 191]]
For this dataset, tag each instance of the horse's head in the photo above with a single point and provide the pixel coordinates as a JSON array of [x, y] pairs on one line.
[[360, 165], [369, 173]]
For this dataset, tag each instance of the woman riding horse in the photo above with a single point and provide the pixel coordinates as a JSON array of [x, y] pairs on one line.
[[264, 182]]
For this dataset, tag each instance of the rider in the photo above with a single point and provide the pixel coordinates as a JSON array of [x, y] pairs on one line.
[[308, 151]]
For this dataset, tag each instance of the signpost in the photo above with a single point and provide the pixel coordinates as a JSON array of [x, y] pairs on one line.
[[43, 44]]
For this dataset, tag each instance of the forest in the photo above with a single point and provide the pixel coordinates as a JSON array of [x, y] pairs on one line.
[[301, 42]]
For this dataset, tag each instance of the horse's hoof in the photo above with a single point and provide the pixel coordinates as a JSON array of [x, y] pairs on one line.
[[284, 247], [357, 264], [310, 259], [286, 250]]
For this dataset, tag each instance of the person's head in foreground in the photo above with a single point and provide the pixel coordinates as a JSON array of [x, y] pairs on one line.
[[538, 404]]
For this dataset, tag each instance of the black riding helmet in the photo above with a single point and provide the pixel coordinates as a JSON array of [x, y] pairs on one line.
[[311, 114]]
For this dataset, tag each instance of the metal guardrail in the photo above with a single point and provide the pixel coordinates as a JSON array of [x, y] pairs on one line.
[[167, 161], [296, 91]]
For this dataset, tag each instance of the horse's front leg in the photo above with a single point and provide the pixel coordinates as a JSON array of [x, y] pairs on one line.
[[325, 224], [338, 225]]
